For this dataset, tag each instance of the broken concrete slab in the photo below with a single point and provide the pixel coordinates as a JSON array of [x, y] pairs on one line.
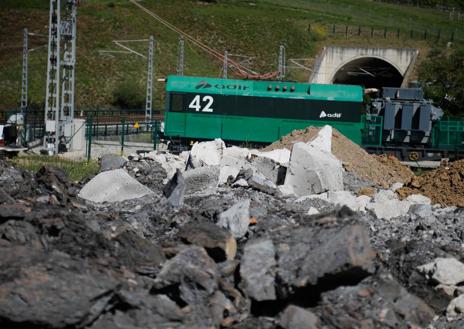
[[312, 171], [312, 211], [421, 210], [227, 173], [447, 271], [207, 153], [111, 162], [237, 152], [343, 198], [174, 190], [261, 183], [202, 180], [257, 270], [169, 162], [219, 243], [269, 169], [294, 317], [362, 201], [240, 183], [345, 249], [455, 307], [386, 205], [323, 140], [193, 272], [396, 186], [236, 219], [280, 156], [307, 255], [418, 199], [113, 186]]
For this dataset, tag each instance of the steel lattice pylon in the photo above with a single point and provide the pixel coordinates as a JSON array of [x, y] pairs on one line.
[[149, 101], [225, 65], [180, 65], [24, 78], [59, 98], [282, 62]]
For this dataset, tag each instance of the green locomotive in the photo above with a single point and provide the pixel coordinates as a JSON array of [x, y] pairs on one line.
[[260, 112]]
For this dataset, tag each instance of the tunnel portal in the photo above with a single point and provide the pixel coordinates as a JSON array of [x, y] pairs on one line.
[[368, 72]]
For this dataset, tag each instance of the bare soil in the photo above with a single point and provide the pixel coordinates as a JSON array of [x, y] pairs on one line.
[[444, 185]]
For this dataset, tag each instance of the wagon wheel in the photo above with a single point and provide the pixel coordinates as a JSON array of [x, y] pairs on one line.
[[414, 156]]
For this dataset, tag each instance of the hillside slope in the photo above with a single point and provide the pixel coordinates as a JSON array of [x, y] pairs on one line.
[[251, 28]]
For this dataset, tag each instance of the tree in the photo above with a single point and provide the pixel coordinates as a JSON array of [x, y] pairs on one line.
[[442, 76]]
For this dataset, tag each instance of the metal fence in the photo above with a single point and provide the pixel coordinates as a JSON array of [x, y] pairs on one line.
[[121, 132], [431, 35]]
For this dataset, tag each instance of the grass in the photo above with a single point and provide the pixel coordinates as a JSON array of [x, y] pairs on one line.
[[76, 170], [252, 28]]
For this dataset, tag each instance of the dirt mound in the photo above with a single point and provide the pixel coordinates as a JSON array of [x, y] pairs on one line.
[[444, 185], [382, 170]]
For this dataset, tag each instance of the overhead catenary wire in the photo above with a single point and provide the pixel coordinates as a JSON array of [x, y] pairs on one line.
[[242, 70]]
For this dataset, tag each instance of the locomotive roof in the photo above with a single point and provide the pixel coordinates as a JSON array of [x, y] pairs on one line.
[[280, 89]]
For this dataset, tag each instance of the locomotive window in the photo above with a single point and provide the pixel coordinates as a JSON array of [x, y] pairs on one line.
[[176, 103]]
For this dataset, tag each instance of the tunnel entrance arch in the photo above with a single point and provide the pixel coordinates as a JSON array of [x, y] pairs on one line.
[[369, 72], [357, 65]]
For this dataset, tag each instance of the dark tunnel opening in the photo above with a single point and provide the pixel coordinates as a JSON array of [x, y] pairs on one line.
[[369, 72]]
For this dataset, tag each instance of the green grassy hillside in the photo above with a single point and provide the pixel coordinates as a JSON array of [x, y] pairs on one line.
[[252, 28]]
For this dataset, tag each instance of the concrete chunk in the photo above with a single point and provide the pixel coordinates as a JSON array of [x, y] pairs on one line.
[[175, 189], [312, 171], [339, 253], [169, 162], [386, 204], [111, 162], [281, 156], [202, 180], [261, 183], [419, 199], [113, 186], [294, 317], [226, 173], [257, 270], [447, 271], [219, 243], [307, 255], [455, 307], [191, 266], [207, 153], [267, 167], [236, 219], [323, 140]]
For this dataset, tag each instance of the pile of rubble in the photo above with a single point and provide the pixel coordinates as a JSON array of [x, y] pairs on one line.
[[382, 170], [226, 237]]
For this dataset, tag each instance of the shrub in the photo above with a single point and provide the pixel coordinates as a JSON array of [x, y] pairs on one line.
[[129, 94]]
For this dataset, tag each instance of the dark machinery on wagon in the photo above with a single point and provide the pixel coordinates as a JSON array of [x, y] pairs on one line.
[[255, 113]]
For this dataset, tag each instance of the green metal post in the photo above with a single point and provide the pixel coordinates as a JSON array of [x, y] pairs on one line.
[[89, 138], [123, 123], [155, 134]]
